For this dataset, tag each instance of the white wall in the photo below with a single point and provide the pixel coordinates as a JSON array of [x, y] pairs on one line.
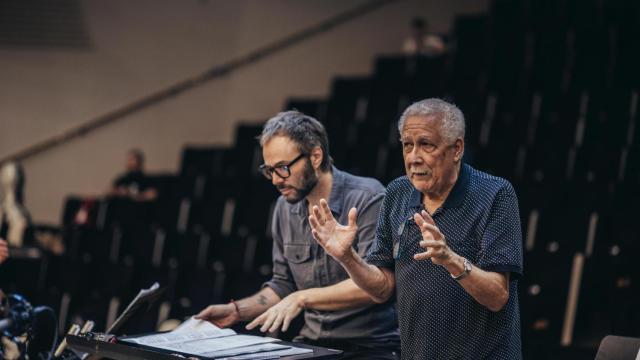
[[144, 45]]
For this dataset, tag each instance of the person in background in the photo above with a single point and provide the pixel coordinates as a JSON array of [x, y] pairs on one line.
[[421, 42], [15, 221], [134, 183]]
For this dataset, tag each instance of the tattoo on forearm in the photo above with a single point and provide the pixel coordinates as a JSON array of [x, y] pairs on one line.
[[262, 300]]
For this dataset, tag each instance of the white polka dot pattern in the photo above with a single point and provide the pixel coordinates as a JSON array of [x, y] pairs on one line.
[[438, 318]]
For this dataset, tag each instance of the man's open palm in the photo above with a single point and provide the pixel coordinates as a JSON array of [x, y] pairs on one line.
[[336, 239]]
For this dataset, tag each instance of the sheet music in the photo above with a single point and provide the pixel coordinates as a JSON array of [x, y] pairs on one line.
[[190, 330], [253, 349], [270, 354], [200, 337], [201, 347]]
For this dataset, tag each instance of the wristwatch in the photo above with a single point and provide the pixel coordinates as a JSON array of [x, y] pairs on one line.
[[464, 273]]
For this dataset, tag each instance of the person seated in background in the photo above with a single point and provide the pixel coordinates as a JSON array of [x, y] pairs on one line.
[[337, 313], [15, 221], [134, 183], [448, 245], [421, 42]]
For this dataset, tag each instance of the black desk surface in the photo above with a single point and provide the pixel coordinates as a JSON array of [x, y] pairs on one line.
[[121, 351]]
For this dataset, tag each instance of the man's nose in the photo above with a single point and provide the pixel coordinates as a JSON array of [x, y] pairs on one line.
[[414, 156], [276, 179]]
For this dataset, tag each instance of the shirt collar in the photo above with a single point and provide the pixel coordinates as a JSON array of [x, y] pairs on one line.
[[336, 197], [455, 197]]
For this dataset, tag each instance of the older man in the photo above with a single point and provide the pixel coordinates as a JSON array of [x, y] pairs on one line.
[[448, 242], [337, 313]]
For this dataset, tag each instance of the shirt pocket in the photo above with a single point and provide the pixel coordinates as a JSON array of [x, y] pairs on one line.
[[298, 257]]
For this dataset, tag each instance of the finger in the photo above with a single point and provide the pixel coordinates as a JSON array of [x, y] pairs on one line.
[[286, 322], [353, 214], [418, 219], [433, 230], [276, 323], [257, 321], [313, 221], [318, 215], [430, 244], [427, 226], [204, 314], [325, 209], [427, 217], [422, 256], [430, 231], [267, 323]]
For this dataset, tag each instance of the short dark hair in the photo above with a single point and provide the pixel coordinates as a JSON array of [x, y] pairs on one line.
[[419, 23], [138, 154], [302, 129]]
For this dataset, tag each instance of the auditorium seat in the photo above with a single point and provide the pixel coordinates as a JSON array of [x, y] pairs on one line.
[[618, 348], [543, 297], [609, 293], [312, 107], [599, 164]]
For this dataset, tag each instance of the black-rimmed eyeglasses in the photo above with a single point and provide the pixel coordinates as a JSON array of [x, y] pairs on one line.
[[283, 170]]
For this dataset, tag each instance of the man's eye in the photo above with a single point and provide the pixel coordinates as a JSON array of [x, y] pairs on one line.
[[427, 145]]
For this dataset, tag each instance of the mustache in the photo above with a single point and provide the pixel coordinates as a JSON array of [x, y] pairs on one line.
[[284, 187], [420, 171]]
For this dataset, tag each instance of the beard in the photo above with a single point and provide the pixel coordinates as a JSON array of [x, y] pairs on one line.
[[307, 183]]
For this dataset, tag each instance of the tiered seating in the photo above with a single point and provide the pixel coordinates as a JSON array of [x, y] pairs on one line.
[[550, 90]]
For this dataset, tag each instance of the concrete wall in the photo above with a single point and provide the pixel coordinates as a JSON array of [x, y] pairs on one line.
[[144, 45]]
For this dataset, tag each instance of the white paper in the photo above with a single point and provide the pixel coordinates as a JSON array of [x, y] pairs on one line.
[[190, 330], [203, 346], [198, 337], [271, 354]]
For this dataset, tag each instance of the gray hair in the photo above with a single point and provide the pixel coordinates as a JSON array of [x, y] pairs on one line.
[[452, 120], [302, 129]]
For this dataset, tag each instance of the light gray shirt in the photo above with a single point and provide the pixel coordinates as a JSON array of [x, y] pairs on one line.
[[299, 262]]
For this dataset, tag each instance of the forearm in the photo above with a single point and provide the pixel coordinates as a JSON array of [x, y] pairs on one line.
[[254, 305], [343, 295], [378, 283], [490, 289]]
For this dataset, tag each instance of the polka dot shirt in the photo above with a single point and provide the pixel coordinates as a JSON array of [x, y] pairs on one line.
[[438, 318]]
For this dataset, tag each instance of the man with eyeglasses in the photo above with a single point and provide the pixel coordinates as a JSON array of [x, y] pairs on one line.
[[448, 245], [337, 313]]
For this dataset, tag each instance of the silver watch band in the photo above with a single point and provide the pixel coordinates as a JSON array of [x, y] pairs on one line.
[[465, 272]]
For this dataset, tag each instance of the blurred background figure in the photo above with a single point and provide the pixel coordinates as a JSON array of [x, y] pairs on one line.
[[421, 42], [14, 217], [134, 183]]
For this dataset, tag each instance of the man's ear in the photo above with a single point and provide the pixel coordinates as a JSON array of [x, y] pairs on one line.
[[316, 157], [458, 147]]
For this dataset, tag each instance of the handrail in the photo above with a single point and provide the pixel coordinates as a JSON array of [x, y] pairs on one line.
[[194, 81]]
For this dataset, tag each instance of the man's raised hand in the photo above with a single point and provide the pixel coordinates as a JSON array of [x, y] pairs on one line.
[[336, 239], [433, 241]]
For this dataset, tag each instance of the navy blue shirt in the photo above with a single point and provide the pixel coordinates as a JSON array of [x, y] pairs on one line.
[[438, 318]]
